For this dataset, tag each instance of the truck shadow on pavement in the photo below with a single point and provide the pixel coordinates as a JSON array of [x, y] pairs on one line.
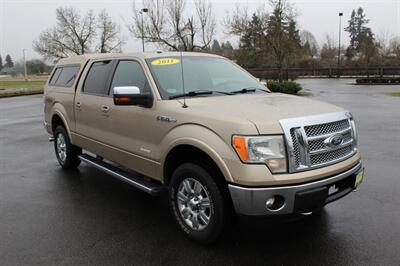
[[141, 222]]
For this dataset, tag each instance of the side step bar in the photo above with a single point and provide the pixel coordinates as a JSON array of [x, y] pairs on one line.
[[131, 179]]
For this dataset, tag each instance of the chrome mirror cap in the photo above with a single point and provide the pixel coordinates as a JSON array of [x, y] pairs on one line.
[[126, 90]]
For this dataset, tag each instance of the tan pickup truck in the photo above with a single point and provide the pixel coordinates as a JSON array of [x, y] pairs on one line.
[[203, 129]]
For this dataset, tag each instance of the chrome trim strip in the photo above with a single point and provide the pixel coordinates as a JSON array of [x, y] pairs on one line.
[[251, 201]]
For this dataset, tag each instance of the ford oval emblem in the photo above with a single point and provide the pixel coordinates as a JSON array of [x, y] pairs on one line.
[[334, 141]]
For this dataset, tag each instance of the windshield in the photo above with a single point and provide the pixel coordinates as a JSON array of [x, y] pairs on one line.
[[200, 74]]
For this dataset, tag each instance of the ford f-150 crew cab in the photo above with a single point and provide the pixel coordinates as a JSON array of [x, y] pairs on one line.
[[203, 129]]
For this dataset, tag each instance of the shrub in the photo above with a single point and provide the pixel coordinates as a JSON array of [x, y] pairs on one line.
[[8, 71], [289, 87]]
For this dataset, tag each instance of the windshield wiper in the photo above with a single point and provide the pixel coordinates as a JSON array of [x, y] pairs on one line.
[[190, 94], [247, 90], [197, 93]]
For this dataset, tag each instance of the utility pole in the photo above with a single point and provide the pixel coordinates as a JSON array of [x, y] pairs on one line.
[[25, 75], [340, 38], [141, 12]]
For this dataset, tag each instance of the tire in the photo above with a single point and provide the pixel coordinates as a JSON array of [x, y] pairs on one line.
[[191, 190], [66, 153]]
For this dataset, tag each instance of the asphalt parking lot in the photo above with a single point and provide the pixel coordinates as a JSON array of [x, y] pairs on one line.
[[49, 216]]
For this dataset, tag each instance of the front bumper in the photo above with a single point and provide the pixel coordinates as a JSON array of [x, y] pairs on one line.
[[302, 198]]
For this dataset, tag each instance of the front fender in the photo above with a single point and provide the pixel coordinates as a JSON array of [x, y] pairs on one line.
[[202, 138]]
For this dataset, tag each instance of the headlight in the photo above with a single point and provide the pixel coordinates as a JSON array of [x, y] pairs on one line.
[[269, 150]]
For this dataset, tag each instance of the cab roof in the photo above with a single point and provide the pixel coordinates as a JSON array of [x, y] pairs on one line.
[[81, 59]]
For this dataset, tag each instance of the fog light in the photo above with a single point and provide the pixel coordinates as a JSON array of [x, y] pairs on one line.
[[275, 203], [270, 202]]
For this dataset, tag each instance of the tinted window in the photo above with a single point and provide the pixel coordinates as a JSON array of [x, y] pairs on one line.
[[55, 76], [96, 79], [129, 73], [67, 76]]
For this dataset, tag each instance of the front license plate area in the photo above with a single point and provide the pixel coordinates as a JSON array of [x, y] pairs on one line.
[[359, 178]]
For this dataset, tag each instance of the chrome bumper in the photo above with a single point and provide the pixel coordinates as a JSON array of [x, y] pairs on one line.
[[252, 201]]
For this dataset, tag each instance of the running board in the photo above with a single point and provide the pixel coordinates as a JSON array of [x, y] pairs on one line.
[[131, 179]]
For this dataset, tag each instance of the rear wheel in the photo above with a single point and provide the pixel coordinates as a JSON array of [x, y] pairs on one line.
[[197, 203], [67, 154]]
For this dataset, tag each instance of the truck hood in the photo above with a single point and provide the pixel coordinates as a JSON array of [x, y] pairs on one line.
[[263, 110]]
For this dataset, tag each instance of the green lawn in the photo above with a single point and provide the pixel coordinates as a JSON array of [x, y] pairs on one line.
[[10, 88], [394, 94], [10, 84]]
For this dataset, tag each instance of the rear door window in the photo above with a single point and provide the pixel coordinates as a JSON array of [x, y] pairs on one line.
[[67, 76], [97, 78], [55, 76]]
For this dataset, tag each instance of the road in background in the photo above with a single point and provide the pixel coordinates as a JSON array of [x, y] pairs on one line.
[[50, 216]]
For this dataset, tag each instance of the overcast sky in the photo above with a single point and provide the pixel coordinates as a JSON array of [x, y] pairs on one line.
[[21, 21]]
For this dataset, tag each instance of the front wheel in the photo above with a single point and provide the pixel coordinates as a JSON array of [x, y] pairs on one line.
[[67, 154], [197, 203]]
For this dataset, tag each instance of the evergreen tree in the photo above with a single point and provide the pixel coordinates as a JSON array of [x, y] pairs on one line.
[[367, 46], [282, 35], [252, 42], [253, 37], [228, 45], [215, 46], [9, 62], [352, 30], [1, 63], [358, 32], [294, 34]]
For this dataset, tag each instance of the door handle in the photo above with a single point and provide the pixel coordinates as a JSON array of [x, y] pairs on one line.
[[105, 108], [78, 104]]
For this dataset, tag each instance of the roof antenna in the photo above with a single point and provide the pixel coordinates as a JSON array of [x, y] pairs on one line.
[[183, 81]]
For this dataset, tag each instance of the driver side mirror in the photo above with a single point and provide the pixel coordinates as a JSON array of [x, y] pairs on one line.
[[130, 95]]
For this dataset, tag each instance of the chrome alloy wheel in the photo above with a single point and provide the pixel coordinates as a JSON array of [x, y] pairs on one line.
[[194, 204], [61, 147]]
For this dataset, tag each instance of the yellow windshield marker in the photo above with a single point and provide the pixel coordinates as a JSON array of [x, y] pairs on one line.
[[165, 61]]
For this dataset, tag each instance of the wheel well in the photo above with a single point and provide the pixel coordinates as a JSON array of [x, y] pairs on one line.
[[56, 121], [187, 153]]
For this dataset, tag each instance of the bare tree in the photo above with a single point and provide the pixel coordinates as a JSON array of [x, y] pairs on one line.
[[109, 33], [251, 28], [395, 47], [73, 34], [383, 40], [166, 24], [309, 42], [239, 22], [328, 51], [276, 34]]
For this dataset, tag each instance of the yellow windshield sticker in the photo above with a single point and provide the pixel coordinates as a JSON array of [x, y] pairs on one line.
[[165, 62]]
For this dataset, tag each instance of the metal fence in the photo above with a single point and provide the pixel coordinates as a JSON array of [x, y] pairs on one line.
[[351, 72]]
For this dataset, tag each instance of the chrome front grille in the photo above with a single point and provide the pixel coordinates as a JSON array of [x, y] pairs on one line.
[[296, 150], [322, 158], [327, 128], [319, 141]]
